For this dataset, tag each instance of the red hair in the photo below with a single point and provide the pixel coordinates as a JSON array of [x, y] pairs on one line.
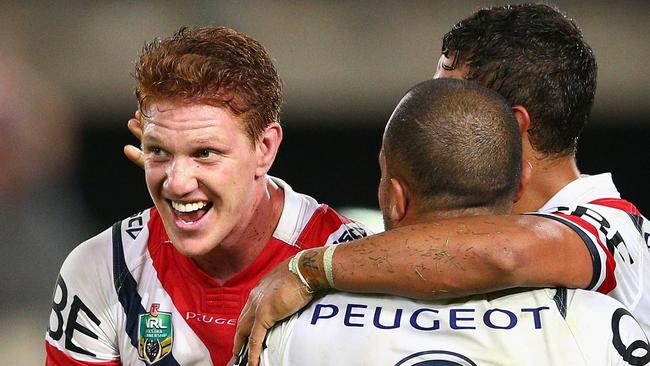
[[216, 66]]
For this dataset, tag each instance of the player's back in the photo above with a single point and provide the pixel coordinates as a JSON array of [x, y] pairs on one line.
[[537, 327]]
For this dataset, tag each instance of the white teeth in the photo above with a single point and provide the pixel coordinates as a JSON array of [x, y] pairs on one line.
[[188, 207]]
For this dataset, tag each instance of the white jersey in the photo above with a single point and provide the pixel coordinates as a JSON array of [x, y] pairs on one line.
[[536, 327], [128, 297], [617, 236]]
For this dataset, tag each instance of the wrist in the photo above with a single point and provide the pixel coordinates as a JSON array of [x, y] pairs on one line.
[[311, 266]]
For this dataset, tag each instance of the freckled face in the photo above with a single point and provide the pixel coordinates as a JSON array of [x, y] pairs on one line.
[[200, 171]]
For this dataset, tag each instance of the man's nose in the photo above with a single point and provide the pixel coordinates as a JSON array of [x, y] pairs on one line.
[[180, 177]]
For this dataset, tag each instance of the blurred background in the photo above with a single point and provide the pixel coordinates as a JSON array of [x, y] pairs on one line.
[[66, 93]]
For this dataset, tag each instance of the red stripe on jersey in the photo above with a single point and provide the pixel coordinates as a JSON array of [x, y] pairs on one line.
[[322, 224], [212, 309], [609, 283], [617, 203], [57, 358]]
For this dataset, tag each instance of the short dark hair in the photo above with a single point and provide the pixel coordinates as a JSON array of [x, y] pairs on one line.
[[534, 56], [216, 66], [456, 143]]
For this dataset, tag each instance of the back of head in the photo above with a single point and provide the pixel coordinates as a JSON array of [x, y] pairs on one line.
[[216, 66], [534, 56], [456, 145]]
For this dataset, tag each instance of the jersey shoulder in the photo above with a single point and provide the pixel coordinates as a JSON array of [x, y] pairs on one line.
[[83, 321], [95, 257], [305, 223], [605, 329]]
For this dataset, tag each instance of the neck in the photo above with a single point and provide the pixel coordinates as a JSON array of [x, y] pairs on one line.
[[421, 215], [549, 176], [241, 249]]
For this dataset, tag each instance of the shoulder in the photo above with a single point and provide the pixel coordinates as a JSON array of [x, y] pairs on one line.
[[99, 257], [305, 223], [98, 252], [330, 227], [93, 255], [84, 322], [605, 329]]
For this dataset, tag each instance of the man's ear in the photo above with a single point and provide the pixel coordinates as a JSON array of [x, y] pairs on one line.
[[267, 148], [399, 200], [526, 172], [523, 118]]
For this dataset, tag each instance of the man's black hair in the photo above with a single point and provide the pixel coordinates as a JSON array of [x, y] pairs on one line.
[[456, 144], [534, 56]]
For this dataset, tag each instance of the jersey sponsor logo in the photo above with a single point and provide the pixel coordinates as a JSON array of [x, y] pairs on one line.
[[436, 358], [613, 238], [191, 316], [351, 232], [427, 319], [134, 225], [155, 335]]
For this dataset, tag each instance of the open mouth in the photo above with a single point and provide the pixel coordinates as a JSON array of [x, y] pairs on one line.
[[190, 212]]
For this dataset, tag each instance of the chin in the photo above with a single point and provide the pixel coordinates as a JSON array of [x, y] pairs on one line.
[[192, 247]]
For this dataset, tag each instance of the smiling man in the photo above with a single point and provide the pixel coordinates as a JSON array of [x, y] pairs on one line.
[[167, 285]]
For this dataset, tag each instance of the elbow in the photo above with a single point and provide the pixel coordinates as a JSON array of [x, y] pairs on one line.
[[509, 262]]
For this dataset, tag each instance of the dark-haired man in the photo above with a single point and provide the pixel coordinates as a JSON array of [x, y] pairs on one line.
[[432, 167], [166, 286], [583, 236]]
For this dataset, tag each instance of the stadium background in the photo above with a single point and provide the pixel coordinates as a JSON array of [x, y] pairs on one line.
[[344, 66]]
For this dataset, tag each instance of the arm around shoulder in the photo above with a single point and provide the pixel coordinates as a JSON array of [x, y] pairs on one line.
[[464, 256]]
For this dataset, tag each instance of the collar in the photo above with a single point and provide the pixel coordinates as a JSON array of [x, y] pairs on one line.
[[583, 190], [298, 209]]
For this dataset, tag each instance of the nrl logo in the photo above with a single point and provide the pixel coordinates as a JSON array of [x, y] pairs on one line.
[[155, 335]]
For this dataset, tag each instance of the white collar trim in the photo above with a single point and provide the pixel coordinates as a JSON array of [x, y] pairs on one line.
[[582, 190], [296, 213]]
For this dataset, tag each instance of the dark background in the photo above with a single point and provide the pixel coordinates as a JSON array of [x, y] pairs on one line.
[[338, 164]]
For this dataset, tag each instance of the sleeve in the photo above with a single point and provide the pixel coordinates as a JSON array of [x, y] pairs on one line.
[[616, 235], [606, 331], [328, 227], [82, 326], [604, 265]]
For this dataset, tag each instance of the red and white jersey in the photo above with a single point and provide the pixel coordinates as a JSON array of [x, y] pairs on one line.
[[617, 236], [518, 327], [128, 297]]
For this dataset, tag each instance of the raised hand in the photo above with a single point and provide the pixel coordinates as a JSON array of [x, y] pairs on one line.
[[133, 153]]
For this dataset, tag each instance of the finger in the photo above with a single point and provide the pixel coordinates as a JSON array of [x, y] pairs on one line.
[[244, 325], [135, 155], [135, 126], [256, 341], [232, 362]]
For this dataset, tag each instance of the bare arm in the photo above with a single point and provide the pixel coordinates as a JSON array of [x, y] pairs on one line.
[[462, 256], [449, 258]]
